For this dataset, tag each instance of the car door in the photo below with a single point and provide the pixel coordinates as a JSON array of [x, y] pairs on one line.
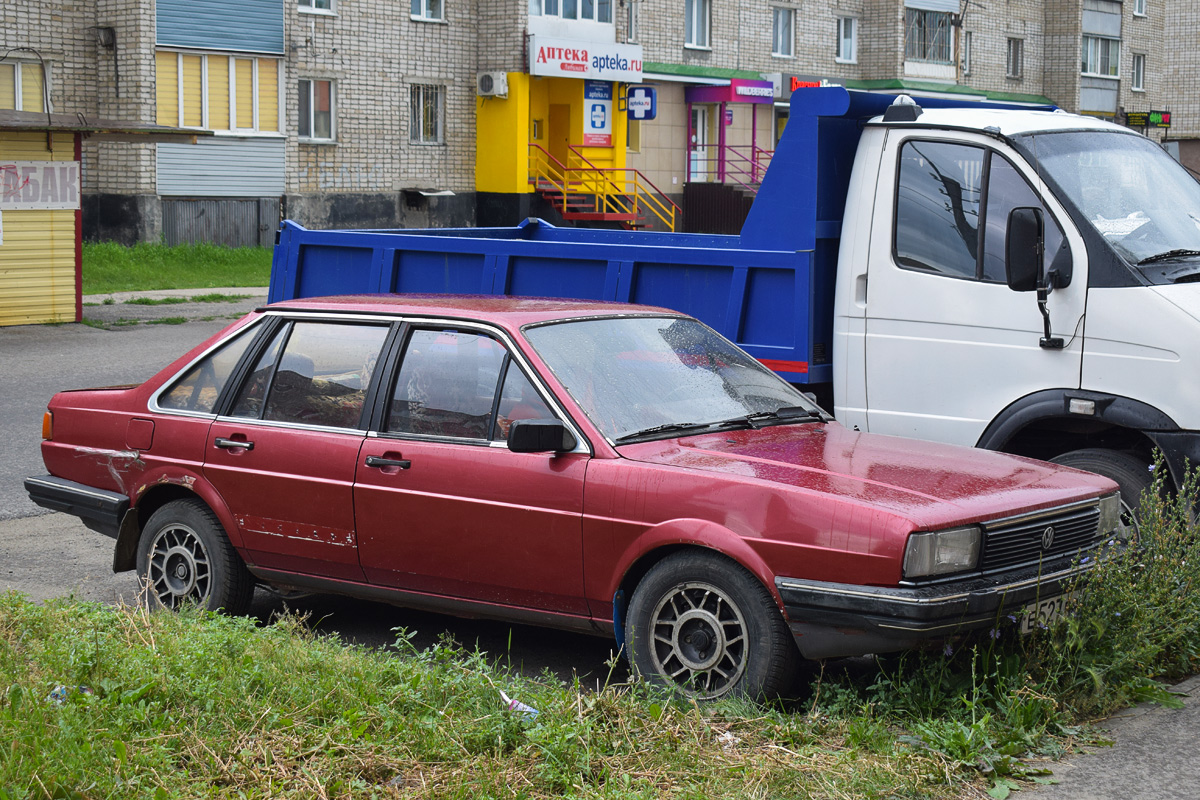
[[948, 345], [283, 456], [443, 506]]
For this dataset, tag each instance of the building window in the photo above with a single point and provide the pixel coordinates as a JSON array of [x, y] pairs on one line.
[[782, 32], [927, 36], [847, 40], [1101, 56], [428, 10], [1139, 8], [425, 114], [696, 23], [1139, 72], [593, 10], [22, 86], [317, 101], [966, 52], [631, 31], [1014, 58], [315, 6], [221, 92]]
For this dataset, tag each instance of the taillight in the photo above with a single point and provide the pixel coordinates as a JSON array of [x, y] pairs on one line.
[[48, 425]]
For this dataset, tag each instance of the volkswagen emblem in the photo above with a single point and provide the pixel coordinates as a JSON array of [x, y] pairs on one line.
[[1048, 538]]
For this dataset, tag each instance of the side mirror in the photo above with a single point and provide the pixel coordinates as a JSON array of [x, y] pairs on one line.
[[540, 436], [1023, 249]]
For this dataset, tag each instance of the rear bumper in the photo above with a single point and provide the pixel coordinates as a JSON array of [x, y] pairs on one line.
[[99, 509], [841, 619]]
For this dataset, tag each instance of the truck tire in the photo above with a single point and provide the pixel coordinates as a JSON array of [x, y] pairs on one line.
[[184, 558], [702, 624], [1129, 472]]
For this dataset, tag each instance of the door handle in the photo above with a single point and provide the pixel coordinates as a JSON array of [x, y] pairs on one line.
[[233, 444], [376, 461]]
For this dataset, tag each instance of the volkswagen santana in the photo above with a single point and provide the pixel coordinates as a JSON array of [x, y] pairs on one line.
[[599, 467]]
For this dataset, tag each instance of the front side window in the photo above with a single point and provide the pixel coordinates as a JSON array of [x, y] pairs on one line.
[[1101, 56], [22, 86], [313, 373], [426, 114], [316, 107], [782, 31], [847, 40], [428, 9], [199, 387], [1013, 62], [696, 23], [1139, 72], [927, 36], [591, 10]]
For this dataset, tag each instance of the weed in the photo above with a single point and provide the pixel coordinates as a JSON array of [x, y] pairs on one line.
[[155, 301], [167, 321]]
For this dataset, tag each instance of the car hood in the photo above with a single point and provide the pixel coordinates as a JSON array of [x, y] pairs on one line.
[[931, 484]]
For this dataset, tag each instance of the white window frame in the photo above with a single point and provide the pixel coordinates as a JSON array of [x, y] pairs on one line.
[[966, 51], [18, 85], [697, 24], [310, 7], [844, 23], [235, 126], [1092, 56], [559, 8], [1014, 58], [1137, 77], [632, 21], [943, 25], [424, 9], [333, 106], [417, 98], [1139, 8], [783, 43]]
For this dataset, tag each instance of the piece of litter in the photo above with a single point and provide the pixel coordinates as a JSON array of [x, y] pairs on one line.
[[529, 712]]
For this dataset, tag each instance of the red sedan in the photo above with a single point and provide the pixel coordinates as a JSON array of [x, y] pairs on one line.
[[599, 467]]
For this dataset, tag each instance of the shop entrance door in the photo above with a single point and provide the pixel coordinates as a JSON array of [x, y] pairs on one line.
[[559, 134], [699, 151]]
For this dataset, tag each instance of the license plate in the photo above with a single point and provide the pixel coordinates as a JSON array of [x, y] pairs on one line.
[[1044, 613]]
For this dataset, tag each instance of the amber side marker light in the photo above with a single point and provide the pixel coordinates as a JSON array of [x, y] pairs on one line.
[[47, 425]]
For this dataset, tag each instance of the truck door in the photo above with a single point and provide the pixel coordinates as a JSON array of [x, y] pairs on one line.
[[948, 344]]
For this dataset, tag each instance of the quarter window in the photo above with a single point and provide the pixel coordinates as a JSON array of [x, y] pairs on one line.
[[199, 387], [782, 31], [847, 38], [927, 36], [426, 114], [1101, 56], [316, 109], [696, 23]]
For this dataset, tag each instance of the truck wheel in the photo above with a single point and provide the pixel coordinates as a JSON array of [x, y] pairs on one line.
[[1129, 472], [702, 624], [184, 558]]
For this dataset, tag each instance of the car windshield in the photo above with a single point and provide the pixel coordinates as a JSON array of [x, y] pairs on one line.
[[650, 377], [1142, 201]]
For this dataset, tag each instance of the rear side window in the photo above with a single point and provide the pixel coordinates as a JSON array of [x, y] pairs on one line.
[[199, 387], [315, 373]]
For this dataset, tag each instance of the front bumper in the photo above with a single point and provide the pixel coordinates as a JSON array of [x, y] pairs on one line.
[[99, 509], [841, 619]]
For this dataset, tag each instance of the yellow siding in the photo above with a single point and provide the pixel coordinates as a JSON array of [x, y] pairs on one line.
[[8, 89], [166, 80], [268, 94], [193, 97], [244, 87], [218, 93], [502, 137], [31, 88], [37, 258]]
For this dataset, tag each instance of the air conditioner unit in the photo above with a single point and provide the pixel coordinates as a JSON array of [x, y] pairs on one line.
[[492, 84]]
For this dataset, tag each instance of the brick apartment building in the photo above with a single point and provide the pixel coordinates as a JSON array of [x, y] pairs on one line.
[[402, 113]]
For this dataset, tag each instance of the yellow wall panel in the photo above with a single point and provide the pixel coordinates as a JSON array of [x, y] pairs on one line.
[[166, 81], [218, 93], [32, 97], [244, 87], [502, 139], [268, 94], [8, 85], [193, 97]]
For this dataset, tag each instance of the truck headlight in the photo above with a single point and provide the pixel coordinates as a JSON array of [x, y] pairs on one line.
[[940, 552], [1110, 516]]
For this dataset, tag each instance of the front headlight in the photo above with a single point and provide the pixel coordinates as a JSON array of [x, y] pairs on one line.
[[1110, 516], [941, 552]]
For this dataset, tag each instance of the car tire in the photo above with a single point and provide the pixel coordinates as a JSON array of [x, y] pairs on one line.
[[703, 625], [184, 558], [1130, 473]]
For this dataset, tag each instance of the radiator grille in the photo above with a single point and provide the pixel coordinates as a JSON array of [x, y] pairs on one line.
[[1009, 544]]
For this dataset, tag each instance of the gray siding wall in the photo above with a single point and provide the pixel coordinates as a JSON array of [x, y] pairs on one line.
[[242, 25], [222, 167]]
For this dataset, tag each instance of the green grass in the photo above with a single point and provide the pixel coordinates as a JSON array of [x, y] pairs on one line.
[[109, 267], [214, 297], [167, 321]]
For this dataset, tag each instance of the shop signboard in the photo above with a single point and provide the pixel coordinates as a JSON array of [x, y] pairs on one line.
[[565, 58], [39, 185], [642, 102], [597, 114]]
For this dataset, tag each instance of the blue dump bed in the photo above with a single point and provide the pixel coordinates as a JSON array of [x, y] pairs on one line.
[[769, 289]]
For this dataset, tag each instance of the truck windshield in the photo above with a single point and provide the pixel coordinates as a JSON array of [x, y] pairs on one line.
[[1140, 199], [652, 377]]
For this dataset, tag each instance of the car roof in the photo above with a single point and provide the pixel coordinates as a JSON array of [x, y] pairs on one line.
[[501, 309]]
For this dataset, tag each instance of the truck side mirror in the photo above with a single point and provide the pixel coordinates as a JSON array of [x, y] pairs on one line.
[[540, 436], [1023, 249]]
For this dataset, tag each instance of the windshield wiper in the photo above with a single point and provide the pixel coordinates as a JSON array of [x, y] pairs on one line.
[[1177, 253], [785, 414], [670, 427]]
